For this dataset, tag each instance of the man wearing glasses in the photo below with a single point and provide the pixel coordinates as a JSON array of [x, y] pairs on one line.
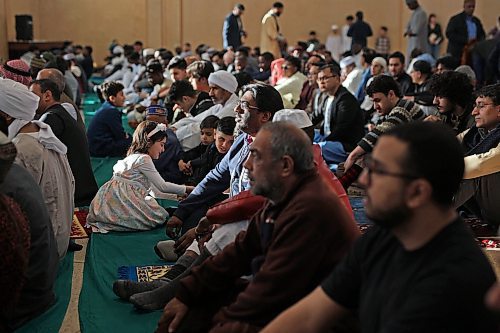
[[418, 269], [256, 107], [481, 144], [338, 117]]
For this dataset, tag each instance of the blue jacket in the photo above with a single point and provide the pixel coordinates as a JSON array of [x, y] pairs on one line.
[[227, 173], [106, 134]]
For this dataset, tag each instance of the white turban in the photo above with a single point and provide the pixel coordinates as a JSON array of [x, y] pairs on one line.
[[296, 117], [21, 104], [349, 60], [223, 79]]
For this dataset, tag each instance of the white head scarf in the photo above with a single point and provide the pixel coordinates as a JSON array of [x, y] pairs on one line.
[[21, 104]]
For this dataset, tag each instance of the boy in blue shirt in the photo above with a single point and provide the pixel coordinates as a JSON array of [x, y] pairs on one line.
[[105, 133]]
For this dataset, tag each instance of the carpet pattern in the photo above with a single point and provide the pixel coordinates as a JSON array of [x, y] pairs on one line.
[[146, 273], [78, 229]]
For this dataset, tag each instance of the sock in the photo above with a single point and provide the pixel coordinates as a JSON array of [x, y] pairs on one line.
[[159, 297], [180, 266], [126, 288]]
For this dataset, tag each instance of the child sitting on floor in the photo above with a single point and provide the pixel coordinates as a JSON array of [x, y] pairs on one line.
[[123, 203], [207, 130], [224, 138]]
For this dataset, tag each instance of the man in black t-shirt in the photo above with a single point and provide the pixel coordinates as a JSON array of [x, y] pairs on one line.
[[418, 269]]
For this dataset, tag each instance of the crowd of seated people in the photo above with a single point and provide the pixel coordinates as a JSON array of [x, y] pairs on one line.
[[256, 147]]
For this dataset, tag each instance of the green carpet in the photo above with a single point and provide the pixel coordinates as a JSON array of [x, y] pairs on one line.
[[51, 320], [100, 310], [103, 168]]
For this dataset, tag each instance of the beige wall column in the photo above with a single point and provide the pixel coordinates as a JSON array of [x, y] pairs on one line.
[[3, 32], [154, 18], [172, 33]]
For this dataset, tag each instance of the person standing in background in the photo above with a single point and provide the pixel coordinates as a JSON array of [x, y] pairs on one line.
[[232, 31], [416, 29], [346, 40], [270, 37], [434, 36]]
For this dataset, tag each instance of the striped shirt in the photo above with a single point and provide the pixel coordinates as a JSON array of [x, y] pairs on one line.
[[404, 112]]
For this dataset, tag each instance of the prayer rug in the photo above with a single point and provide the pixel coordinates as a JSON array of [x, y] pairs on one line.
[[100, 310], [143, 273], [78, 229], [52, 319]]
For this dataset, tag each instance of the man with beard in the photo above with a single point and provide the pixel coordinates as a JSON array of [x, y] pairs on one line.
[[257, 106], [419, 268], [290, 225], [453, 97]]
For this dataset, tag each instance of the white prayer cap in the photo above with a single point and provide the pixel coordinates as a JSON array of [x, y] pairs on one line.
[[223, 79], [17, 101], [148, 52], [381, 61], [69, 56], [118, 50], [296, 117], [349, 60], [335, 27]]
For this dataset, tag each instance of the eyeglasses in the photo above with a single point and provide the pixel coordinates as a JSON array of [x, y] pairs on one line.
[[325, 78], [245, 106], [480, 105], [371, 167]]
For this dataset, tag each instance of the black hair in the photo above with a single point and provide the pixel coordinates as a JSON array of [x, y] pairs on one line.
[[111, 88], [244, 49], [266, 97], [226, 125], [491, 91], [201, 68], [57, 63], [209, 122], [359, 15], [278, 5], [449, 62], [369, 54], [398, 55], [180, 89], [334, 69], [268, 56], [243, 78], [312, 32], [138, 42], [89, 49], [383, 84], [239, 6], [442, 165], [423, 67], [177, 62], [452, 85], [384, 28], [46, 84], [294, 61], [349, 18]]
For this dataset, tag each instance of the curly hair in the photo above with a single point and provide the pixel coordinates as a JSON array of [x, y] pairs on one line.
[[452, 85]]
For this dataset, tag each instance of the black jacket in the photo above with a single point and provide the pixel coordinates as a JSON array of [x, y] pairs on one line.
[[456, 32], [346, 119]]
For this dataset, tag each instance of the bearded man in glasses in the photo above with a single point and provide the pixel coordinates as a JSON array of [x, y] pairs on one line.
[[419, 268], [480, 188]]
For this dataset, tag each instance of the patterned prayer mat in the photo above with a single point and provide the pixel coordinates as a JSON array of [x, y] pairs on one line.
[[78, 230], [143, 273]]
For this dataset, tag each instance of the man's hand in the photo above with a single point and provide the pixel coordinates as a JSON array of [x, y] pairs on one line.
[[433, 118], [183, 243], [173, 225], [173, 313], [353, 157]]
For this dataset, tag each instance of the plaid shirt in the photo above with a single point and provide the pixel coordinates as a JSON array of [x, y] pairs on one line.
[[383, 45]]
